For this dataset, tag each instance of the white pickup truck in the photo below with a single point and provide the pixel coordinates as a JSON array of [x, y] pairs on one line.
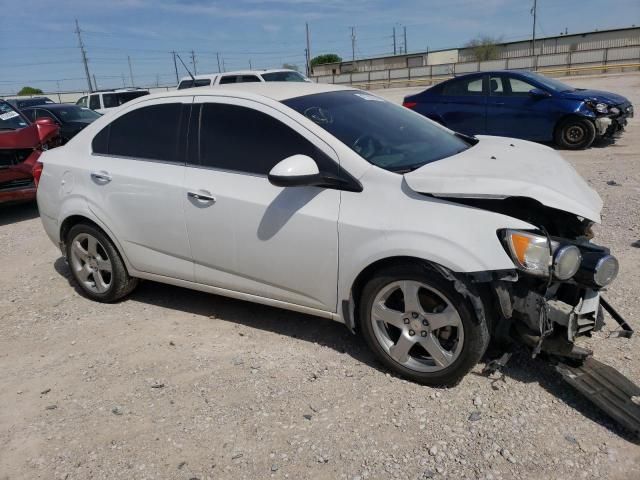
[[207, 80], [104, 100]]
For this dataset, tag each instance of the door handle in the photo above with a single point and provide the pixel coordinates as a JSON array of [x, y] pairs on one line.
[[101, 176], [201, 196]]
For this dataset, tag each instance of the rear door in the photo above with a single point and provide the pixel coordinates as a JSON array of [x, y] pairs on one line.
[[134, 183], [462, 105], [246, 234], [513, 112]]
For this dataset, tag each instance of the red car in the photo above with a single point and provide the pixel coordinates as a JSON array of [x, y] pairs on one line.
[[21, 143]]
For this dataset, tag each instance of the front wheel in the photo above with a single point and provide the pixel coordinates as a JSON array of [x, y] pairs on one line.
[[575, 133], [419, 326]]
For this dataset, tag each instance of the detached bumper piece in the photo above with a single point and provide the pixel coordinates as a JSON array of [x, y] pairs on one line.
[[607, 388]]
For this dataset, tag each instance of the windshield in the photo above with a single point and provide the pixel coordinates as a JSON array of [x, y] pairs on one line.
[[384, 134], [283, 77], [550, 83], [10, 119], [76, 114]]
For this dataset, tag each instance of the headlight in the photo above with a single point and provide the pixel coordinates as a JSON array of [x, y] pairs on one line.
[[566, 262], [597, 269], [614, 110], [599, 107], [529, 251]]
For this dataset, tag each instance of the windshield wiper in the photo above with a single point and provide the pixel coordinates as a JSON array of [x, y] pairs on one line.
[[7, 128]]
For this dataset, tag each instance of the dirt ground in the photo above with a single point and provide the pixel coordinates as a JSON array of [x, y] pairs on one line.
[[177, 384]]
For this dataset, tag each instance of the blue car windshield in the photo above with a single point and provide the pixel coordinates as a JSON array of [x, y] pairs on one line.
[[550, 83], [384, 134]]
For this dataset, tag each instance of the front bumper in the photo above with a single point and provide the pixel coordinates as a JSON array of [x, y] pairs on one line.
[[612, 125]]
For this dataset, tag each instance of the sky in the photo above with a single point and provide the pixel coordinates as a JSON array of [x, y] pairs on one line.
[[38, 45]]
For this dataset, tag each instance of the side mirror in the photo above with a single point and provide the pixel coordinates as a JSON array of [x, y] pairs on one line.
[[47, 129], [296, 171], [539, 93]]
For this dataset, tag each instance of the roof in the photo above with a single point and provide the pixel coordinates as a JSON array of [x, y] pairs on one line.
[[275, 90], [238, 72], [53, 106]]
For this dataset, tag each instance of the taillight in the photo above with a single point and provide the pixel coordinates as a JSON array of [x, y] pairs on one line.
[[409, 104], [37, 172]]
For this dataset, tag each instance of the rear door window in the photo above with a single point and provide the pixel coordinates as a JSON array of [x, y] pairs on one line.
[[199, 82], [228, 79], [150, 133], [94, 102], [464, 87], [248, 78]]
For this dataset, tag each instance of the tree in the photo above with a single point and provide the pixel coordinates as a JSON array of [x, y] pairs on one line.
[[30, 91], [485, 48], [325, 58], [290, 66]]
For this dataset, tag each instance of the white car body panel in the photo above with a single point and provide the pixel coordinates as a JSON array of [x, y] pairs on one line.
[[297, 247], [500, 167]]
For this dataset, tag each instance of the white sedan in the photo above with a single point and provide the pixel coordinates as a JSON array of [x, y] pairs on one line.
[[333, 202]]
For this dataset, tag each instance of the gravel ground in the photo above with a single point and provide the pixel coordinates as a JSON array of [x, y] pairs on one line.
[[177, 384]]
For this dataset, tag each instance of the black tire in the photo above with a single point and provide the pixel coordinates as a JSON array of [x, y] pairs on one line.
[[476, 333], [575, 133], [120, 284]]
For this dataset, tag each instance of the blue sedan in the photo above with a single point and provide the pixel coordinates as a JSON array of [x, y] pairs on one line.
[[524, 105]]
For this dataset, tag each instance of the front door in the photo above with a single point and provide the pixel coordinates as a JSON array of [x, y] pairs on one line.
[[513, 112], [246, 234]]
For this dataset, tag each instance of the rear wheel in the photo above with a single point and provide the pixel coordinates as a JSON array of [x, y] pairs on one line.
[[96, 265], [420, 326], [575, 133]]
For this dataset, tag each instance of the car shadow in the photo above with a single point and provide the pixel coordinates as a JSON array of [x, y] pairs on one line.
[[521, 368], [304, 327], [18, 212]]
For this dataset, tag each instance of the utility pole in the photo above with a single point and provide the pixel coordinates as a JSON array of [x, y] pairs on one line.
[[84, 56], [123, 82], [58, 84], [534, 11], [157, 80], [130, 70], [193, 62], [308, 51], [218, 58], [250, 67], [353, 45], [175, 65], [405, 41], [224, 68], [395, 51], [95, 84]]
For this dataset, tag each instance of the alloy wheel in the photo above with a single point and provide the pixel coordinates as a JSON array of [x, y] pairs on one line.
[[417, 326], [91, 264]]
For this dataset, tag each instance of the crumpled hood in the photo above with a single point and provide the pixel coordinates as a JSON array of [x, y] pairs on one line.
[[596, 95], [500, 167]]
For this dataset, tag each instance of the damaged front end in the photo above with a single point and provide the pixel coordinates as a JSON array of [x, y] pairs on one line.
[[556, 298], [610, 120]]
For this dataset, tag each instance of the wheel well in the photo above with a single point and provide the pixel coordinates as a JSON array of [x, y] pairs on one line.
[[369, 272], [478, 295], [73, 220], [567, 117]]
